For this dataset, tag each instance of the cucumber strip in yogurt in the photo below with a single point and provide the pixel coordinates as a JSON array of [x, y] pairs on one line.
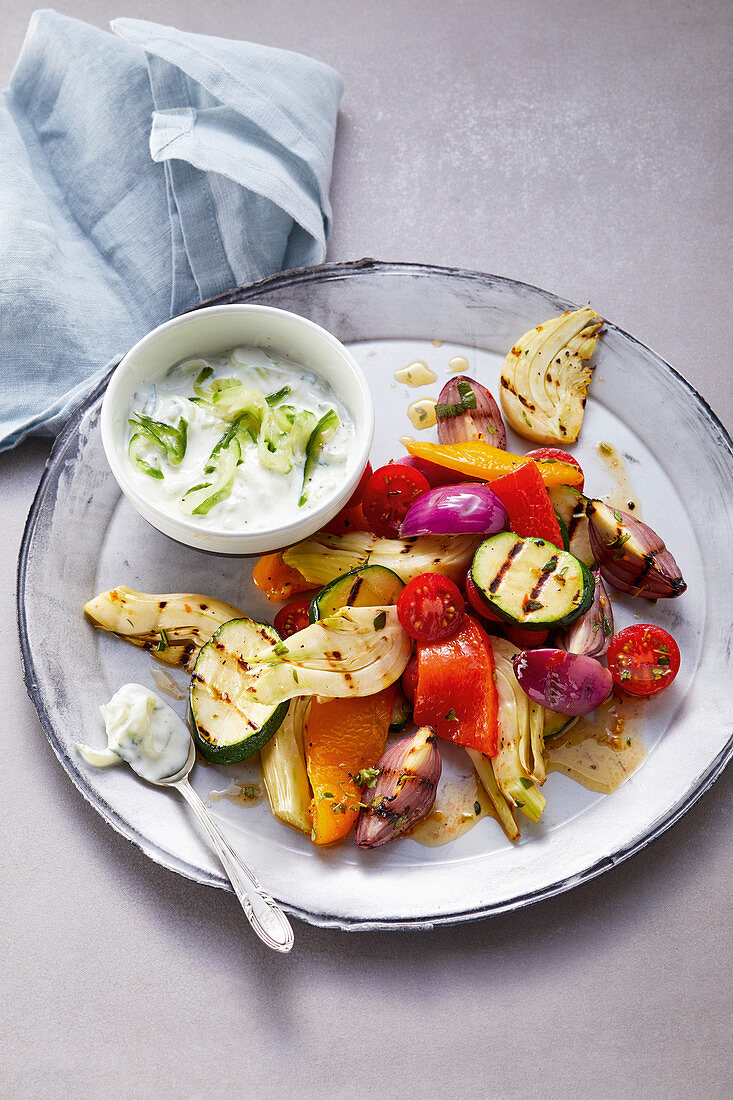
[[240, 441]]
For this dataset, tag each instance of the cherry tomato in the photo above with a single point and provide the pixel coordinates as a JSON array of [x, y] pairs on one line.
[[436, 475], [358, 493], [431, 608], [549, 454], [643, 659], [409, 679], [293, 617], [388, 495]]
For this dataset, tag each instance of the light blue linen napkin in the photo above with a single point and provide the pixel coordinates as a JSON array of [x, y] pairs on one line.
[[140, 174]]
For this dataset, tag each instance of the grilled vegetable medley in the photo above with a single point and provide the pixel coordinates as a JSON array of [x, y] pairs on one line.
[[462, 595]]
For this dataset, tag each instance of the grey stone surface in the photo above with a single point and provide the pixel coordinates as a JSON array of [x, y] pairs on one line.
[[582, 147]]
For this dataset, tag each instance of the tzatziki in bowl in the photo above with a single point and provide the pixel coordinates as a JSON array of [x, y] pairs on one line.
[[238, 429]]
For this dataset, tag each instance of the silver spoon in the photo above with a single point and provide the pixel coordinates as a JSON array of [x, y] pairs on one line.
[[263, 913]]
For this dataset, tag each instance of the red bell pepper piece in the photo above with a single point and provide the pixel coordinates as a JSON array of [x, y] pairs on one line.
[[523, 494], [456, 691]]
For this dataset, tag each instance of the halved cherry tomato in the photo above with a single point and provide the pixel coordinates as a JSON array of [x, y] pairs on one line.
[[555, 454], [643, 659], [293, 617], [351, 516], [431, 608], [348, 519], [388, 495], [358, 493], [436, 475], [409, 679]]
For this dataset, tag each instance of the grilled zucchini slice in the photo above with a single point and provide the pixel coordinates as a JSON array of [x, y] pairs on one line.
[[227, 725], [369, 586], [530, 583]]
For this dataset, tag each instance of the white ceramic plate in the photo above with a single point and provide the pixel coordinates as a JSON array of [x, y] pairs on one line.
[[83, 537]]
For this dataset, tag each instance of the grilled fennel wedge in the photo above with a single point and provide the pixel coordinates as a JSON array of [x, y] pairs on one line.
[[172, 626], [284, 770], [518, 766], [324, 557], [356, 651], [546, 375]]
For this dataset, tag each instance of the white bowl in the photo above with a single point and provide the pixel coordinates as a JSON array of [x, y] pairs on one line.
[[212, 331]]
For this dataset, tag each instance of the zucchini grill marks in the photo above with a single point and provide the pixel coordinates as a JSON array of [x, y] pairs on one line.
[[531, 583]]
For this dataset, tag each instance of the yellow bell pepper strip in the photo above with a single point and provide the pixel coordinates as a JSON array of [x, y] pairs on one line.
[[479, 459]]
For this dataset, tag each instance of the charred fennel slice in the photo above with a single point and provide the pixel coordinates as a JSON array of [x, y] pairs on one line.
[[171, 625], [531, 583], [227, 725], [570, 509]]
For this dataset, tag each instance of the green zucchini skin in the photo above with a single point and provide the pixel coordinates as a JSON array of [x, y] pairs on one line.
[[531, 583], [401, 711], [225, 732], [368, 586]]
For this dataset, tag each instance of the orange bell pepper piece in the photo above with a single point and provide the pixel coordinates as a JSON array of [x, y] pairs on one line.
[[342, 736], [479, 459], [277, 580]]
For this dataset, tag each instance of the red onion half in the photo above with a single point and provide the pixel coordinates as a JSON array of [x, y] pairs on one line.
[[591, 633], [570, 683], [631, 556], [456, 510], [467, 411]]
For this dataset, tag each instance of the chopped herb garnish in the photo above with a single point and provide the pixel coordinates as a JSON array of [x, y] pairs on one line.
[[617, 516], [250, 792], [399, 821], [526, 419], [663, 648], [526, 783], [663, 660], [451, 716], [625, 674], [605, 448], [281, 649], [531, 605], [628, 740], [367, 777], [380, 620], [163, 643], [518, 804], [477, 808], [468, 397], [295, 677], [606, 626]]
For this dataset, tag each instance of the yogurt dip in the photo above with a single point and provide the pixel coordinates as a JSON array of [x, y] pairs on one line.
[[244, 441], [143, 731]]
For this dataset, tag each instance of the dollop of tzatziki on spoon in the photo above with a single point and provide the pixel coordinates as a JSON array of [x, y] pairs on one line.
[[148, 734], [143, 731]]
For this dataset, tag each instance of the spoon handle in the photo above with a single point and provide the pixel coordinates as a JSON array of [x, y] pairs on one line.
[[263, 913]]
